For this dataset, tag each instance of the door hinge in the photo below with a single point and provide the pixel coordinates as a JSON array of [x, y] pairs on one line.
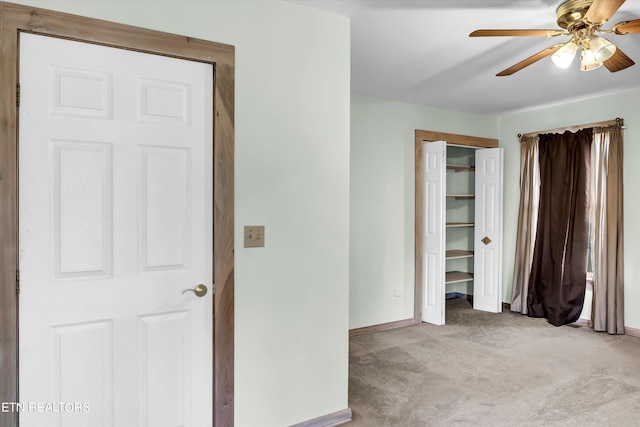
[[18, 282], [18, 95], [213, 289]]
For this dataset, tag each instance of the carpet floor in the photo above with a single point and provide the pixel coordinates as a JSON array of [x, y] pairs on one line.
[[484, 369]]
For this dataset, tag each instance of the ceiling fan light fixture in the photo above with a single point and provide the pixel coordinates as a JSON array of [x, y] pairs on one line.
[[581, 20], [588, 61], [602, 48], [564, 56]]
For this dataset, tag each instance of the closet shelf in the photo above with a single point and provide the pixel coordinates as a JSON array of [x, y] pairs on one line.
[[458, 276], [458, 253], [460, 168], [462, 196], [459, 224]]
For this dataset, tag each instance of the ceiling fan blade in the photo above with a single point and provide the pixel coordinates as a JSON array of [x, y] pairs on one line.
[[530, 60], [619, 61], [602, 10], [512, 33], [627, 27]]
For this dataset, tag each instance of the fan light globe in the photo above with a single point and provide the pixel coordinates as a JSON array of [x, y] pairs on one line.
[[602, 48], [588, 61], [564, 56]]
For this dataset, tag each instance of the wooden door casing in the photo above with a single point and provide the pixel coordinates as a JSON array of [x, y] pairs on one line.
[[15, 19]]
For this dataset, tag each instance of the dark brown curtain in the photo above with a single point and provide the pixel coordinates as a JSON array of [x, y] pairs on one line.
[[559, 269]]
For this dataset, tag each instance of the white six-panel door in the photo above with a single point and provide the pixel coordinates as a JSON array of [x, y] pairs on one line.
[[115, 223], [487, 280]]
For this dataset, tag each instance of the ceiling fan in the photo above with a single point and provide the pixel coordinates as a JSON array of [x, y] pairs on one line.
[[581, 19]]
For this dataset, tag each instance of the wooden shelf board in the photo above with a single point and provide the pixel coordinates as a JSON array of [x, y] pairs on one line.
[[462, 196], [460, 168], [457, 253], [459, 224], [458, 276]]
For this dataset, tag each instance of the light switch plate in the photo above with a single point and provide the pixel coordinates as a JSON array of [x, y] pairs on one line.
[[254, 236]]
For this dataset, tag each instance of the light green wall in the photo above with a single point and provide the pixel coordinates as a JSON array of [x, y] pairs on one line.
[[292, 175], [624, 105], [382, 201], [382, 192]]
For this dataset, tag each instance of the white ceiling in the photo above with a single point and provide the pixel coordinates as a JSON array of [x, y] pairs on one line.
[[419, 51]]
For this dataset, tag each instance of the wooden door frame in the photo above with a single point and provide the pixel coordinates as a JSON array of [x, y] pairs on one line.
[[422, 136], [15, 19]]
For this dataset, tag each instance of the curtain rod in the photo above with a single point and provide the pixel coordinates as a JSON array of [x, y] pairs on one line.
[[617, 121]]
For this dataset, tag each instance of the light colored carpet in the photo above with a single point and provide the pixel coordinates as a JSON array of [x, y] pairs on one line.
[[484, 369]]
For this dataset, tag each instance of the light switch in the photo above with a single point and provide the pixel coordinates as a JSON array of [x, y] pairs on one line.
[[254, 236]]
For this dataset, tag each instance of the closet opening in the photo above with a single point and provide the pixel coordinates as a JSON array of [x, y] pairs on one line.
[[458, 223]]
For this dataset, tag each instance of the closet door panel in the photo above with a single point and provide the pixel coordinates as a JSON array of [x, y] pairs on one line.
[[487, 284], [433, 226]]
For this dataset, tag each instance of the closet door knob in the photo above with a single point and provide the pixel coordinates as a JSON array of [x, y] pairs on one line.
[[486, 240]]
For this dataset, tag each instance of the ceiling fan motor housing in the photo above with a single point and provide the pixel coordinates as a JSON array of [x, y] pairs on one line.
[[572, 12]]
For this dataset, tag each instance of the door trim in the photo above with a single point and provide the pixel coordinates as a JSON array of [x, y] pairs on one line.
[[15, 19], [430, 136]]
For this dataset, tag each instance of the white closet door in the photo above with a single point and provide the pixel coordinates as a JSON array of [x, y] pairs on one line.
[[487, 281], [433, 229]]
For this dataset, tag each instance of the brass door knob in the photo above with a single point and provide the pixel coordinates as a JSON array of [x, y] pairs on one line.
[[200, 290]]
